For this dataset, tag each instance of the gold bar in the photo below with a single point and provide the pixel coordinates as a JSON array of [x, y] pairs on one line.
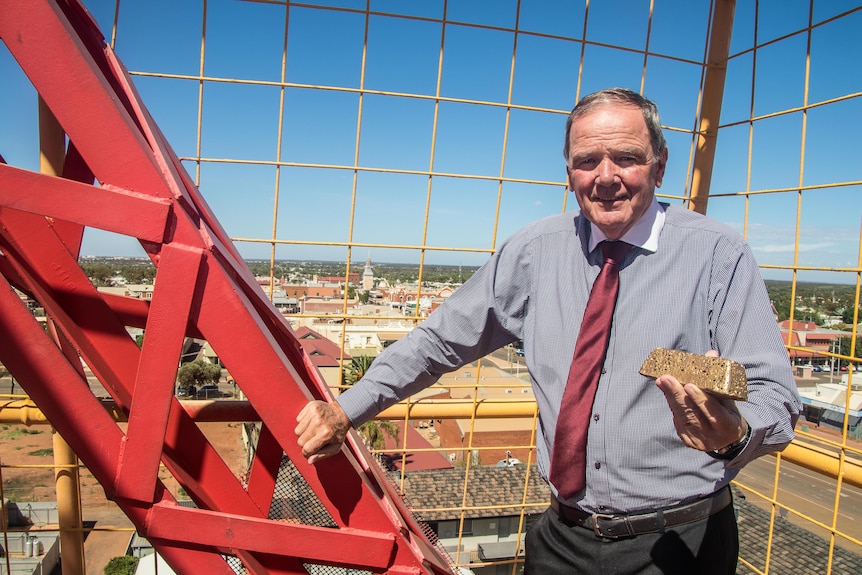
[[716, 375]]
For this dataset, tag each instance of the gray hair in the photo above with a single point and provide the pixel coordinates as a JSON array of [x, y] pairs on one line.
[[624, 96]]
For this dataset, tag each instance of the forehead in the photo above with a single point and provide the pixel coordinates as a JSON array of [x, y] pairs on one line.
[[610, 125]]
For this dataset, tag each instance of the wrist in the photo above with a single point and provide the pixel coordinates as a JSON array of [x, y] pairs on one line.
[[735, 448]]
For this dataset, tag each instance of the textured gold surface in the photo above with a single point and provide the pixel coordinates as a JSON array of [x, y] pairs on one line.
[[714, 374]]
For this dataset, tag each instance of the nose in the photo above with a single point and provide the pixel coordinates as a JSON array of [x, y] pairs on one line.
[[606, 173]]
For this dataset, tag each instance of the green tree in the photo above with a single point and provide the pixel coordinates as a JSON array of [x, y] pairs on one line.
[[373, 432], [122, 565], [197, 373]]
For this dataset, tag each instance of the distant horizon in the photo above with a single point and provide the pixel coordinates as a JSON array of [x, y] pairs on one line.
[[401, 264]]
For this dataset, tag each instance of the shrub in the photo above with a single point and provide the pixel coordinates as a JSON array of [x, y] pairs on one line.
[[123, 565]]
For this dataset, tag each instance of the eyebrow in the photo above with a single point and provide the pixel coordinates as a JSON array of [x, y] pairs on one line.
[[642, 155]]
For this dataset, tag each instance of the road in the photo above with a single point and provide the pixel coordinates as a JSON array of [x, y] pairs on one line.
[[807, 493]]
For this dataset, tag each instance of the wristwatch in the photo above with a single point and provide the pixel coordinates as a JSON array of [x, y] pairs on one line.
[[732, 450]]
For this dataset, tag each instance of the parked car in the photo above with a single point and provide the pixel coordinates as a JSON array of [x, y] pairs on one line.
[[209, 392], [818, 368]]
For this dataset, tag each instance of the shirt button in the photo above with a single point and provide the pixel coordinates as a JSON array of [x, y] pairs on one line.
[[596, 417], [598, 464], [604, 371]]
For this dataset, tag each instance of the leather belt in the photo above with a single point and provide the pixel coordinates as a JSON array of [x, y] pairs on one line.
[[615, 526]]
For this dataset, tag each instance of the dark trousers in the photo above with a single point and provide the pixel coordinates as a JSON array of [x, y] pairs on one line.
[[706, 547]]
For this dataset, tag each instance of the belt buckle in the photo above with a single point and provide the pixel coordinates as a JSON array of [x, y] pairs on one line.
[[597, 528]]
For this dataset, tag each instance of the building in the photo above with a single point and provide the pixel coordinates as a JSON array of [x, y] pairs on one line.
[[485, 441], [481, 524], [325, 355], [824, 404], [368, 276], [809, 335], [411, 451]]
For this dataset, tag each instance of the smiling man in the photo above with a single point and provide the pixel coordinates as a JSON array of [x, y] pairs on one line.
[[639, 468], [612, 166]]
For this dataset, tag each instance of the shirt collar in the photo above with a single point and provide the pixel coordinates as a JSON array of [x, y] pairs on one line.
[[643, 234]]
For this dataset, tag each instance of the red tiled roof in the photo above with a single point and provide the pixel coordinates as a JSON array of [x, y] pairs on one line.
[[798, 325], [321, 351], [415, 460]]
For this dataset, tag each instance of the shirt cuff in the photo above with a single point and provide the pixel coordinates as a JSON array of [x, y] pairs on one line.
[[734, 449]]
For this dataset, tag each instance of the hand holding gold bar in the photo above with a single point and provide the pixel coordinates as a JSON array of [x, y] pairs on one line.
[[716, 375]]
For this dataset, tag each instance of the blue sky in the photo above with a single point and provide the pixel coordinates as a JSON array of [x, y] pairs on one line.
[[245, 40]]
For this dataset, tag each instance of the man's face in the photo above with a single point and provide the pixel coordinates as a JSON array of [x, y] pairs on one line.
[[612, 168]]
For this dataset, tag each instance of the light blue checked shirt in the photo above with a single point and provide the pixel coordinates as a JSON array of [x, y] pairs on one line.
[[691, 284]]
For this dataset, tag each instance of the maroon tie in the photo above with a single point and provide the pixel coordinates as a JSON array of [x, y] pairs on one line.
[[568, 461]]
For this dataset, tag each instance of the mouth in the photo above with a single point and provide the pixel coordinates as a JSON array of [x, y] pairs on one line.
[[611, 199]]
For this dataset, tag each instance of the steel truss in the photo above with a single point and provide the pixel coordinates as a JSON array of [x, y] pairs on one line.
[[121, 175]]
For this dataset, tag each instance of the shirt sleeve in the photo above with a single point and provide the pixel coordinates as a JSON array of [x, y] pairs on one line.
[[484, 314], [745, 330]]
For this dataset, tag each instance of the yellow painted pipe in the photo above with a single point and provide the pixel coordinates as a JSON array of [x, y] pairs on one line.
[[710, 109], [823, 462], [66, 481], [803, 454], [461, 409], [22, 411], [52, 148]]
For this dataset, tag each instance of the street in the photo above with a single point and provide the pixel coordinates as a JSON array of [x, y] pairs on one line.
[[807, 493]]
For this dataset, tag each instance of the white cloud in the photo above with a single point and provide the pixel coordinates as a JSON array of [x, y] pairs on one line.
[[782, 248]]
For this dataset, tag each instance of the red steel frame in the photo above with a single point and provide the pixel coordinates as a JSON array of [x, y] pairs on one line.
[[203, 289]]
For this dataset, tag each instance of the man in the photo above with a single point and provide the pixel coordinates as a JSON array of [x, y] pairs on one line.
[[659, 455]]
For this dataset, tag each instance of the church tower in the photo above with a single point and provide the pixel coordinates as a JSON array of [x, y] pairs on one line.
[[368, 276]]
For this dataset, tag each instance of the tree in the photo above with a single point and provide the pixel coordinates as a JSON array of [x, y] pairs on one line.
[[197, 373], [373, 432], [122, 565]]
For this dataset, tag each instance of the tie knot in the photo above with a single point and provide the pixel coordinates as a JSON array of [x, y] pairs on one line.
[[615, 251]]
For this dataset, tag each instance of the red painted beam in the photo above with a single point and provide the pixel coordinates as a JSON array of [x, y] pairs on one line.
[[204, 289], [108, 209]]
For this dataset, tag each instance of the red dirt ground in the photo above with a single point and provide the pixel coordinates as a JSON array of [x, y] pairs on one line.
[[27, 475]]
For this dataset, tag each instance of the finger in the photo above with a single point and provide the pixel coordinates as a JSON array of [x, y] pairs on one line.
[[711, 353], [707, 408], [314, 442], [307, 416], [686, 417], [673, 391], [323, 453]]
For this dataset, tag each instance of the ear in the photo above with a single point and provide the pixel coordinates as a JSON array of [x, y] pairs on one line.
[[660, 165]]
